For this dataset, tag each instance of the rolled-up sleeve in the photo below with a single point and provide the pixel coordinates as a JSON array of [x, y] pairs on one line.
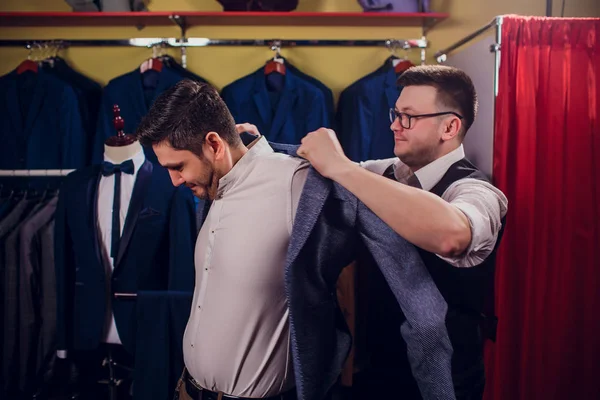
[[484, 206]]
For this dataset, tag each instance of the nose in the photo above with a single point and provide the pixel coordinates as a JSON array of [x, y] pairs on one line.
[[176, 178], [396, 126]]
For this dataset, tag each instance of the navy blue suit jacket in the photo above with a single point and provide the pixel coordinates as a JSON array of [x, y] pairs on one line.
[[363, 120], [156, 253], [40, 123], [283, 117], [89, 95], [327, 93], [128, 92]]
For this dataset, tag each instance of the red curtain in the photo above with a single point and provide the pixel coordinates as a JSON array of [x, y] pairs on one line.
[[547, 162]]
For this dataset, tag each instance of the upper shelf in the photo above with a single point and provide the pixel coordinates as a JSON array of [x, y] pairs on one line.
[[425, 20]]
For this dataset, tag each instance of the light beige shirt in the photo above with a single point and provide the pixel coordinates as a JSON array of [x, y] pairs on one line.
[[483, 204], [237, 339]]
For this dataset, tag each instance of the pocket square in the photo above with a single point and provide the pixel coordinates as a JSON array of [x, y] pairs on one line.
[[149, 212]]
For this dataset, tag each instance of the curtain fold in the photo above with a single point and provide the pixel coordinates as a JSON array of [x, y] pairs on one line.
[[547, 162]]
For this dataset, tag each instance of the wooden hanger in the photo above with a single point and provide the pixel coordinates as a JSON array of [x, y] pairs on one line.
[[400, 64], [28, 64], [152, 64], [276, 64]]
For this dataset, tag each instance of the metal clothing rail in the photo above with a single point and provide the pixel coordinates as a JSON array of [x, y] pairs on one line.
[[35, 172], [442, 54], [184, 43]]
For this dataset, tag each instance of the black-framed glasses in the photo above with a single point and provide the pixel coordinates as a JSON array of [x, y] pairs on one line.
[[406, 119]]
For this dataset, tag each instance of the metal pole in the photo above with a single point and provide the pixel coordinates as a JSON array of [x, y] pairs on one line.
[[497, 53], [442, 54]]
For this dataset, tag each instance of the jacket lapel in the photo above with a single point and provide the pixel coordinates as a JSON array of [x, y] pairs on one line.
[[91, 200], [12, 138], [37, 100], [391, 89], [261, 98], [135, 205], [284, 109], [315, 192], [136, 94]]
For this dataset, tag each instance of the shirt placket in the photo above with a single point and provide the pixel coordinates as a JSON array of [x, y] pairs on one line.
[[214, 218]]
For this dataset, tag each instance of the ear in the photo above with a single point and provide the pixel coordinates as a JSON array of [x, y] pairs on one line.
[[450, 127], [214, 146]]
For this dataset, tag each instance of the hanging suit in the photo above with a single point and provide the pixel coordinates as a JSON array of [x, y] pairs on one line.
[[327, 93], [89, 96], [40, 124], [157, 239], [127, 91], [283, 117], [363, 115], [178, 68], [36, 297]]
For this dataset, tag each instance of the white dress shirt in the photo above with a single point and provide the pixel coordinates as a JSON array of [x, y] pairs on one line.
[[106, 190], [237, 339], [483, 204]]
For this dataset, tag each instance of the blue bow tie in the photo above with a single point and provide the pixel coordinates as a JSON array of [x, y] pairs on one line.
[[110, 168]]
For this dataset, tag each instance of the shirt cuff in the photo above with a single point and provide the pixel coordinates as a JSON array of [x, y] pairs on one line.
[[479, 249]]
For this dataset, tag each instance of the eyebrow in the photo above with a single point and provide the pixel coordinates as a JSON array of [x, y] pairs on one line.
[[172, 166], [409, 108]]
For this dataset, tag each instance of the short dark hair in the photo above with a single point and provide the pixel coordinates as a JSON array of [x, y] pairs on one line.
[[184, 114], [455, 90]]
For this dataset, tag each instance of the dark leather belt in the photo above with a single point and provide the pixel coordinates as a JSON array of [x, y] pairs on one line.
[[196, 392]]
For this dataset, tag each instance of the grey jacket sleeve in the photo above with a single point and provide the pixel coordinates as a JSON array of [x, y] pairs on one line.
[[428, 344]]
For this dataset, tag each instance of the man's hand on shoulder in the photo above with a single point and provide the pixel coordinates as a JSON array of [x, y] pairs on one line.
[[247, 127], [323, 150]]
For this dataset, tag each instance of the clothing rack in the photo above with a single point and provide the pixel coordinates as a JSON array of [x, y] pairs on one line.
[[391, 44], [35, 172], [441, 55]]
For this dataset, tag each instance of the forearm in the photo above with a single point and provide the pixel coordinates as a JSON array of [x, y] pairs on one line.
[[422, 218]]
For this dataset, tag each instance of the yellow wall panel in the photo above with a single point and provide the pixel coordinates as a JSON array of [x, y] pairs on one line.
[[336, 67]]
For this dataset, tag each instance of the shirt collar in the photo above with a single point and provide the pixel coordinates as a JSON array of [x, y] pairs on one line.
[[257, 148], [433, 172], [138, 160]]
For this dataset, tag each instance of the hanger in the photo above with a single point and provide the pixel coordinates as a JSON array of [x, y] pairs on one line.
[[400, 64], [154, 63], [276, 64], [28, 64]]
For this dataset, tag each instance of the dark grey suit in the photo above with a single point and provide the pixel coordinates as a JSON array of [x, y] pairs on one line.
[[47, 338], [33, 290], [8, 273], [11, 293]]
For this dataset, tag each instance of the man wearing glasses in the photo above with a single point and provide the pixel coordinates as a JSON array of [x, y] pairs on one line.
[[445, 206]]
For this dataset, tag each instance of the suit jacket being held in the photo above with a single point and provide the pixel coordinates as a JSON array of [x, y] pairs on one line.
[[329, 226]]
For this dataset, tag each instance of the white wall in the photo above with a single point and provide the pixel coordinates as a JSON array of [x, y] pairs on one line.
[[477, 61]]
